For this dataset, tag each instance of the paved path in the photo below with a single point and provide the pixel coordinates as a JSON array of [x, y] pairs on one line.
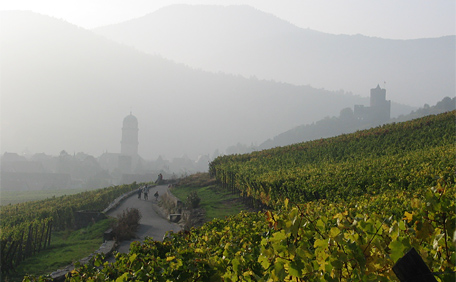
[[152, 224]]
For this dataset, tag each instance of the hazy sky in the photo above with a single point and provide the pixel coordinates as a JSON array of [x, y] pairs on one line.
[[395, 19]]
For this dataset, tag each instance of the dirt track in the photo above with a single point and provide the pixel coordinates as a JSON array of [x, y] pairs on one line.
[[152, 224]]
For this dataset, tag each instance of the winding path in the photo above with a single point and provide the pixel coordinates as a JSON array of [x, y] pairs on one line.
[[152, 223]]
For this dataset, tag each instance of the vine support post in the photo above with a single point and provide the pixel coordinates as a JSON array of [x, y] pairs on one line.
[[411, 267]]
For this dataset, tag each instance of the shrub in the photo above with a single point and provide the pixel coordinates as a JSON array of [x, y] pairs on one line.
[[127, 224], [193, 200]]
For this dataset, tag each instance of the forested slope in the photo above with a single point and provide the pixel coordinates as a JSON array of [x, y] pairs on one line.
[[347, 122]]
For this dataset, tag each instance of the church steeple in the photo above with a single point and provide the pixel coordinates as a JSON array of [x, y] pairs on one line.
[[129, 143]]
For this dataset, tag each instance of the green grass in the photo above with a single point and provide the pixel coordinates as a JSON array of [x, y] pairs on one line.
[[218, 203], [66, 247], [15, 197]]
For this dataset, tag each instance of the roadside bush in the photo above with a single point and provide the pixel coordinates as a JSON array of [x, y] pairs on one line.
[[127, 224], [193, 200], [168, 203]]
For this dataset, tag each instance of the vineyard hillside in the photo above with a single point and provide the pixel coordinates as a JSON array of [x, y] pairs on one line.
[[340, 209], [26, 228], [406, 155]]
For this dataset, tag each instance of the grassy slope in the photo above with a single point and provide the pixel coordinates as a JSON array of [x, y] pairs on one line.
[[218, 203], [66, 247]]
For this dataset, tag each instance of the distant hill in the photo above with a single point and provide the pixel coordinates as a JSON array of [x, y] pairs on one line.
[[246, 41], [346, 123], [447, 104], [66, 88]]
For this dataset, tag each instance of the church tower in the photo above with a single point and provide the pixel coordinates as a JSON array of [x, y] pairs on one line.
[[129, 142]]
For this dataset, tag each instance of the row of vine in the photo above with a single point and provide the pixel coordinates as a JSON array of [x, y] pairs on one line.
[[26, 228]]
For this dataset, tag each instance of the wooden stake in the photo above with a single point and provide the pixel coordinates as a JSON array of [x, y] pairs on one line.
[[411, 267]]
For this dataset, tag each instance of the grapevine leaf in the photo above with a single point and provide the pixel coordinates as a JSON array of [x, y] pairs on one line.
[[295, 268], [397, 249], [235, 262], [321, 243], [320, 224], [133, 257], [123, 277], [264, 261], [279, 270], [334, 232], [408, 216]]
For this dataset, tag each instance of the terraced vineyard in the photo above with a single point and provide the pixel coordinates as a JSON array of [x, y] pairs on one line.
[[408, 155], [26, 228], [339, 209]]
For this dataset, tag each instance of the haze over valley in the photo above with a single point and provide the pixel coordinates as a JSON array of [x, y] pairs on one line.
[[244, 40], [140, 140], [199, 79]]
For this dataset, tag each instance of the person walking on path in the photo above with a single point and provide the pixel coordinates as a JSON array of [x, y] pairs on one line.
[[146, 193], [156, 196], [139, 193]]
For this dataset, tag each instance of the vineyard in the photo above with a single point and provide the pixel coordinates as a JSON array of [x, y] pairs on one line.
[[26, 228], [338, 209], [352, 240], [408, 155]]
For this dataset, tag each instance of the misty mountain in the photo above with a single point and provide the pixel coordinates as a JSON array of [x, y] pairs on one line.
[[246, 41], [66, 88], [346, 122]]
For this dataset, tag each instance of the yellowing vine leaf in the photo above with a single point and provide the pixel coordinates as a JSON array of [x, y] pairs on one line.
[[408, 216]]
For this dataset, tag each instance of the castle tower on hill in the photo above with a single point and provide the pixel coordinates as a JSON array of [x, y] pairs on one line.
[[129, 143], [380, 107], [379, 111]]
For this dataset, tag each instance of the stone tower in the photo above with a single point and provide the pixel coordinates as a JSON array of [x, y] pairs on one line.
[[379, 111], [129, 142], [379, 106]]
